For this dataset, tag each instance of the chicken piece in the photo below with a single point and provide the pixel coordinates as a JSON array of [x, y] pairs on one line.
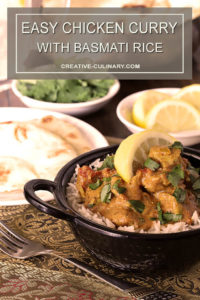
[[165, 156], [134, 190], [154, 181], [150, 207], [118, 211], [108, 172], [92, 196], [84, 177], [168, 203]]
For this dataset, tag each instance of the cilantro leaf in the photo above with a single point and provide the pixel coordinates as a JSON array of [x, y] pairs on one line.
[[160, 214], [106, 179], [180, 195], [137, 205], [167, 217], [175, 175], [151, 164], [65, 91], [118, 188], [170, 217], [106, 193], [95, 185], [177, 145], [108, 162]]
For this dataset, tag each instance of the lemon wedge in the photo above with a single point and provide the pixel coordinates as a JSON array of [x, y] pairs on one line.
[[190, 94], [133, 151], [173, 116], [144, 102]]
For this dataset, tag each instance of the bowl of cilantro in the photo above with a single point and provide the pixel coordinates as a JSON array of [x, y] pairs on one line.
[[72, 96]]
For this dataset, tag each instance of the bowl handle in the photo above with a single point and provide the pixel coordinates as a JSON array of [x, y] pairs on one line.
[[46, 185]]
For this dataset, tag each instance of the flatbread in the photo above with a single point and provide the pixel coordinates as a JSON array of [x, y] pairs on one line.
[[14, 172], [46, 151], [69, 132]]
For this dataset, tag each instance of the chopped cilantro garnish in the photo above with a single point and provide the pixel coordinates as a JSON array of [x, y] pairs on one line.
[[180, 195], [151, 164], [196, 184], [65, 90], [95, 185], [118, 188], [108, 162], [170, 217], [167, 217], [160, 214], [106, 179], [137, 205], [106, 193], [175, 175], [177, 145]]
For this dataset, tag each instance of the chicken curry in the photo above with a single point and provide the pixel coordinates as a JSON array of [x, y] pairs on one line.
[[166, 188]]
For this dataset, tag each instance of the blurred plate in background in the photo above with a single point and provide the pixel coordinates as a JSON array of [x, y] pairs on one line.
[[92, 135]]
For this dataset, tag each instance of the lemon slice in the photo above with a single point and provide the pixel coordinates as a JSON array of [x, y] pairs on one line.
[[173, 116], [133, 151], [190, 94], [145, 101]]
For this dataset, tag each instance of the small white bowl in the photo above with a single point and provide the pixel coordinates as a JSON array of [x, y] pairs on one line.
[[124, 113], [75, 109]]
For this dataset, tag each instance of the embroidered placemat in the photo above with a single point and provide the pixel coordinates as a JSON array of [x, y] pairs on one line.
[[47, 277]]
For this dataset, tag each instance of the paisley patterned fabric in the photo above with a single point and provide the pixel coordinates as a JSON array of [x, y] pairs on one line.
[[50, 278]]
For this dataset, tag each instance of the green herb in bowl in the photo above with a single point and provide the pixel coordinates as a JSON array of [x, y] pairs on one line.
[[65, 91]]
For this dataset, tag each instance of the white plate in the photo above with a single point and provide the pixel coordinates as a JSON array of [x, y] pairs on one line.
[[75, 109], [94, 137], [124, 113]]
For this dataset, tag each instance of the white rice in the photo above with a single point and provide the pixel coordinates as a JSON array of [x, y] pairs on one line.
[[76, 203]]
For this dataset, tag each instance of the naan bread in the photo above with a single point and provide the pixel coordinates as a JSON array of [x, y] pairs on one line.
[[36, 149], [70, 133], [14, 172], [46, 151]]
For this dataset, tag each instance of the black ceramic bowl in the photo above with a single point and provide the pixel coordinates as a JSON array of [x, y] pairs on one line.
[[123, 250]]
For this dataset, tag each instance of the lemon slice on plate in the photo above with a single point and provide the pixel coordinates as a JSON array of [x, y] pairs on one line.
[[173, 116], [133, 151], [190, 94], [144, 102]]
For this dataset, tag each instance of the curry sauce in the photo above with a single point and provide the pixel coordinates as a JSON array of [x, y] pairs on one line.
[[164, 189]]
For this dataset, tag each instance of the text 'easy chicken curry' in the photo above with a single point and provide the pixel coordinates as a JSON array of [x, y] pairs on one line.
[[166, 189]]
